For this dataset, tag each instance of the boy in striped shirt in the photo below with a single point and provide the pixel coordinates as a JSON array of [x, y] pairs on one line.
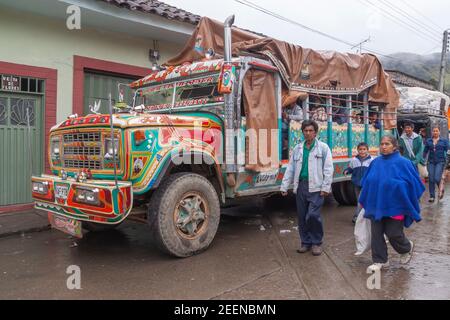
[[357, 168]]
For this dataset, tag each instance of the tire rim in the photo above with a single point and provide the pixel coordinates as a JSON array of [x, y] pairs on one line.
[[191, 215]]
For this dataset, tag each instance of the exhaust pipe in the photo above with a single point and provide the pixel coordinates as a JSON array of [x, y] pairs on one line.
[[230, 154], [227, 38]]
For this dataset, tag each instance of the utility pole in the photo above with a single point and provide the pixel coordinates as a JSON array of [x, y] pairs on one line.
[[445, 47], [360, 45]]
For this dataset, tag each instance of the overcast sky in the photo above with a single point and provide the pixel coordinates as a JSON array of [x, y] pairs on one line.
[[349, 20]]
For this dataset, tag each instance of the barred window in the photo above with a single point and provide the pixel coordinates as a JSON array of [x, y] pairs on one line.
[[21, 84]]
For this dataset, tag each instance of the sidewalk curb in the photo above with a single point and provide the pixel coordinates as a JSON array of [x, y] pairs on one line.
[[26, 231], [20, 223]]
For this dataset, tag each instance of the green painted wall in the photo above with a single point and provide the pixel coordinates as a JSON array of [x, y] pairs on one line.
[[44, 42]]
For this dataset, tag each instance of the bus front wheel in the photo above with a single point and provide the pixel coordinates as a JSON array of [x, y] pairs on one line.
[[184, 214]]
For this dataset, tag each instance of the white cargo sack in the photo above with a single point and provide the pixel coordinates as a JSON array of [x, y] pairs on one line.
[[420, 100], [363, 235]]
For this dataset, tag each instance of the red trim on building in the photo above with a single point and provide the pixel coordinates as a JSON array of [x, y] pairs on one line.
[[81, 64], [50, 76]]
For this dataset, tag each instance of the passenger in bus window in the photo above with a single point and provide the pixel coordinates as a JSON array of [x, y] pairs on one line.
[[319, 114], [317, 110], [340, 113], [374, 120], [295, 111], [357, 117]]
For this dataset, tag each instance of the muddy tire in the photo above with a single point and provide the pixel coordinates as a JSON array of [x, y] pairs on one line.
[[350, 193], [98, 227], [184, 214], [338, 193]]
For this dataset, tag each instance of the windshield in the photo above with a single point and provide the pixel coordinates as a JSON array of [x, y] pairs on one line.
[[182, 94]]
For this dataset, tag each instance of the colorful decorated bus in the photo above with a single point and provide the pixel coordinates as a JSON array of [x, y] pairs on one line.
[[186, 144]]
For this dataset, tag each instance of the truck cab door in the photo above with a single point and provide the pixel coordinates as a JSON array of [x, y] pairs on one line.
[[259, 141]]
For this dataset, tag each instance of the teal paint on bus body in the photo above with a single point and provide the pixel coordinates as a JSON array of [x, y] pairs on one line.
[[330, 134], [350, 139], [366, 133]]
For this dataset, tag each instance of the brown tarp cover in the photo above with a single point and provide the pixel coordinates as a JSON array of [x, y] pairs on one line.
[[303, 70], [260, 102]]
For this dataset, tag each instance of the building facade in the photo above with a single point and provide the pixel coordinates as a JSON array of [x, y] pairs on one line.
[[406, 80], [50, 68]]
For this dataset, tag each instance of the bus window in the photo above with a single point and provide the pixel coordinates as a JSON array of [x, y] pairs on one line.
[[192, 93], [295, 111], [357, 113]]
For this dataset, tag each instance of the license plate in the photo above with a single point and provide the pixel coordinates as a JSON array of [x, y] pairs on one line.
[[66, 225], [61, 191]]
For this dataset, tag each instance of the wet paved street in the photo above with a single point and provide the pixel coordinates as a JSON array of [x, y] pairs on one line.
[[252, 257]]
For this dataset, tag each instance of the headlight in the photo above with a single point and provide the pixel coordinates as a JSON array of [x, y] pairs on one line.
[[40, 187], [55, 147], [87, 196], [109, 148]]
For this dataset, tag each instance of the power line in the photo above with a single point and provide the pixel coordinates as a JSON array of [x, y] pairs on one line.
[[275, 15], [396, 20], [410, 16], [431, 31], [421, 14], [360, 45], [431, 50]]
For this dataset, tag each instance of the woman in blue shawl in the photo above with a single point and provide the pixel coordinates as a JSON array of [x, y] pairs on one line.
[[391, 190]]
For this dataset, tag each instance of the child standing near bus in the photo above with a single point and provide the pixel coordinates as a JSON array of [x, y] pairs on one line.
[[357, 168]]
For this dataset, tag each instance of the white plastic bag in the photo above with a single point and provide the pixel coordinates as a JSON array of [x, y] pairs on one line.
[[423, 171], [362, 234]]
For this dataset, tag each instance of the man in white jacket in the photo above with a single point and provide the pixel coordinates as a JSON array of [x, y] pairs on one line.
[[311, 171]]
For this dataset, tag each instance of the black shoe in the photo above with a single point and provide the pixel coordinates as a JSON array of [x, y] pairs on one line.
[[431, 200], [303, 249]]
